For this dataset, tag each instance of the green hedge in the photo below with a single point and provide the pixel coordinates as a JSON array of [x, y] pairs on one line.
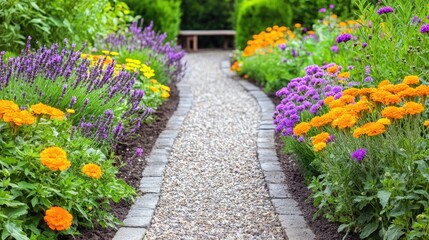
[[203, 14], [255, 15], [165, 14]]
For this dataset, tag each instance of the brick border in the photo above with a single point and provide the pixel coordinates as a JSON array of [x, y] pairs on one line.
[[290, 216], [140, 215]]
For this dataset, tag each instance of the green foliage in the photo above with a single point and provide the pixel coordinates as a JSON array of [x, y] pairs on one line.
[[256, 15], [201, 14], [28, 188], [165, 14], [303, 156], [396, 47], [52, 21]]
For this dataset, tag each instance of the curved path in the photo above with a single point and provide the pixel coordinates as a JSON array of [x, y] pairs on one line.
[[222, 179]]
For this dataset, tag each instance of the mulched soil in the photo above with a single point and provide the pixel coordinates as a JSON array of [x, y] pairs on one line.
[[321, 227], [132, 173]]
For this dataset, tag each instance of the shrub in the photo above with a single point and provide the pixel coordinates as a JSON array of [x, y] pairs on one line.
[[53, 179], [52, 21], [255, 15], [165, 14]]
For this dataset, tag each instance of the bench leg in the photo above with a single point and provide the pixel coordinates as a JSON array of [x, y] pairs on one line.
[[225, 42], [195, 42], [188, 42]]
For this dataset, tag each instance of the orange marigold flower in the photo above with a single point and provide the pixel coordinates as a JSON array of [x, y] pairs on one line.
[[7, 106], [92, 170], [54, 158], [367, 91], [384, 121], [398, 88], [413, 108], [426, 123], [422, 90], [19, 117], [328, 99], [332, 69], [58, 218], [344, 121], [374, 129], [319, 121], [41, 109], [392, 99], [379, 96], [358, 132], [347, 98], [409, 92], [352, 92], [321, 137], [344, 75], [393, 112], [297, 25], [384, 83], [57, 114], [336, 103], [319, 146], [301, 128], [360, 106], [411, 80]]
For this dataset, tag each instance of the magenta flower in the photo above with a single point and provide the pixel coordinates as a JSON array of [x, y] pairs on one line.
[[424, 28], [139, 152], [322, 10], [359, 154], [385, 10]]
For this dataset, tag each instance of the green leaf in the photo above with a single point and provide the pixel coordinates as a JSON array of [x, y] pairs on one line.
[[34, 201], [393, 233], [15, 231], [383, 196], [15, 212], [369, 229]]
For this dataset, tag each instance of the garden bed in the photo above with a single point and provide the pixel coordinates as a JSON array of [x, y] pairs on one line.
[[132, 173]]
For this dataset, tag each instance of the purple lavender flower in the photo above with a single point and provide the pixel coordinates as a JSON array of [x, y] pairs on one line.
[[424, 28], [282, 46], [139, 152], [385, 10], [416, 20], [345, 37], [72, 102], [322, 10], [300, 139], [331, 138], [294, 53], [359, 154], [368, 79], [331, 6], [334, 49], [364, 45]]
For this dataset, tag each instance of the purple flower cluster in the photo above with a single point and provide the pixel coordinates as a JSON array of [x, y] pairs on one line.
[[141, 38], [424, 28], [345, 37], [304, 94], [385, 10], [359, 154], [60, 78]]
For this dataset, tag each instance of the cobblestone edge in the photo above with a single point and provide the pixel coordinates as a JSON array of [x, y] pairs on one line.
[[290, 216], [141, 212]]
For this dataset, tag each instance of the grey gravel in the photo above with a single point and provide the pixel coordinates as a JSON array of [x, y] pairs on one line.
[[213, 184]]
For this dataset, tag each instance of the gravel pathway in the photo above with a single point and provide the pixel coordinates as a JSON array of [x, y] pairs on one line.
[[213, 186]]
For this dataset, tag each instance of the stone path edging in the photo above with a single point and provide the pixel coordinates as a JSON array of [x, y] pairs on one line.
[[290, 216], [140, 215]]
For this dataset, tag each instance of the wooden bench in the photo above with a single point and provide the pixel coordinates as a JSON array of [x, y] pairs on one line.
[[192, 36]]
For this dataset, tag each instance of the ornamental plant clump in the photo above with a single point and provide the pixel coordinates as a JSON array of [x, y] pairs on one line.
[[58, 76], [138, 40], [53, 179], [373, 175], [275, 57]]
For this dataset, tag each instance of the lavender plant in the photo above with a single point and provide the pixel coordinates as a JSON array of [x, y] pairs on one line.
[[142, 39], [104, 103]]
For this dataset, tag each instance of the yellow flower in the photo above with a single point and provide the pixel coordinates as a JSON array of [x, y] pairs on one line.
[[297, 25], [165, 95], [154, 89], [344, 75], [70, 111], [105, 52], [153, 81], [384, 121], [301, 128], [58, 218], [7, 106], [165, 88], [54, 158], [114, 53], [426, 123], [411, 80], [319, 146], [92, 170]]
